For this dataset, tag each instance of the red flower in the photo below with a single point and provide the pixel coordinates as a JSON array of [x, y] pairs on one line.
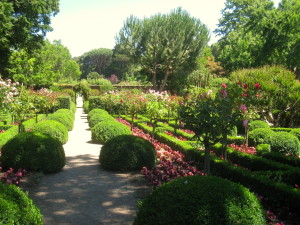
[[258, 95], [246, 85], [121, 100], [257, 85], [224, 86], [245, 95]]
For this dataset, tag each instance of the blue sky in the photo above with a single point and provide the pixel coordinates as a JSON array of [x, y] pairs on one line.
[[83, 25]]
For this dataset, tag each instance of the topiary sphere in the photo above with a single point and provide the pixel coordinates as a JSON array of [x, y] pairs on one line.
[[34, 152], [108, 129], [63, 118], [127, 152], [285, 143], [204, 200], [260, 136], [95, 112], [17, 208], [66, 111], [98, 118], [53, 128], [258, 124]]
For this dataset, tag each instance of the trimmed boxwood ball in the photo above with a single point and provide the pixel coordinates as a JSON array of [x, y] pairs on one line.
[[285, 143], [108, 129], [258, 124], [95, 112], [260, 136], [66, 111], [205, 200], [34, 152], [95, 119], [63, 118], [53, 128], [17, 208], [127, 152]]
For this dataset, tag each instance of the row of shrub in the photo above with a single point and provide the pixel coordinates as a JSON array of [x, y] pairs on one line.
[[275, 192]]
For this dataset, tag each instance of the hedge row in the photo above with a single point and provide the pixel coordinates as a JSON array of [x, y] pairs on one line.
[[11, 132], [274, 192]]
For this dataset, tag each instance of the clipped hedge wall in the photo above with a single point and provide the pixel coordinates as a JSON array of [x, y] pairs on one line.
[[200, 200], [34, 152], [52, 128], [17, 208], [64, 102], [108, 129], [127, 152]]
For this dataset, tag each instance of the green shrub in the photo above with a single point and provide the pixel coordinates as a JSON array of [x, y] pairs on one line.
[[66, 111], [86, 107], [200, 200], [63, 118], [95, 112], [263, 148], [106, 130], [260, 136], [285, 143], [64, 102], [53, 128], [17, 208], [95, 119], [258, 124], [33, 151], [296, 132], [73, 107], [127, 152]]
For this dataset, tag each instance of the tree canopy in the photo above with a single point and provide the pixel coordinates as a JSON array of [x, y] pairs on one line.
[[255, 33], [23, 25], [163, 44]]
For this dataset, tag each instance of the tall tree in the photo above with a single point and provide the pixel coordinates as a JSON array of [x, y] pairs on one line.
[[23, 25], [255, 33], [96, 60], [164, 43]]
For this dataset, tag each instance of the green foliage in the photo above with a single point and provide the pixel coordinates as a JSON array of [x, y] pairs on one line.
[[96, 111], [63, 118], [258, 124], [260, 136], [104, 84], [296, 132], [94, 76], [278, 157], [127, 152], [23, 26], [263, 148], [152, 43], [53, 128], [98, 118], [108, 129], [17, 208], [84, 88], [285, 143], [200, 200], [34, 152], [86, 105], [64, 102], [67, 112], [96, 60], [255, 33]]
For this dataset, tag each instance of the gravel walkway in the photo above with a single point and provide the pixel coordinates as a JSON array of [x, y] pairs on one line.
[[83, 193]]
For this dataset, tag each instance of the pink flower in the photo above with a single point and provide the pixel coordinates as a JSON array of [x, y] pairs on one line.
[[257, 85], [245, 95], [243, 108], [224, 86], [258, 95], [224, 93]]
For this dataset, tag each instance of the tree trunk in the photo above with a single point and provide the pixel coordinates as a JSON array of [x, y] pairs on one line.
[[224, 146], [207, 158], [163, 84], [154, 80]]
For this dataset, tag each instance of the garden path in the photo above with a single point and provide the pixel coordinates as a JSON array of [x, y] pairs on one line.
[[83, 193]]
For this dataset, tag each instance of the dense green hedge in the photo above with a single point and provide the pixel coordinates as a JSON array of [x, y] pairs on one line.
[[86, 106], [64, 102], [96, 112], [258, 124], [285, 143], [200, 200], [98, 118], [52, 128], [34, 152], [278, 157], [69, 112], [108, 129], [63, 118], [16, 208], [127, 152]]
